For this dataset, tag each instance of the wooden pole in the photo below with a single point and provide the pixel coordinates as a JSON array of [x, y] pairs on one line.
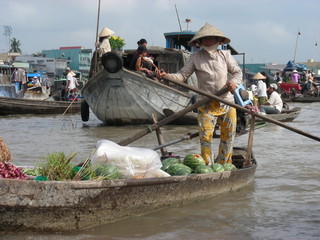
[[189, 137], [264, 117], [163, 150], [247, 162], [162, 122], [97, 30], [295, 49]]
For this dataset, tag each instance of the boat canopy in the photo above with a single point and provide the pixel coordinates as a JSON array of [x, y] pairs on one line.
[[181, 39], [31, 75], [295, 66], [178, 39]]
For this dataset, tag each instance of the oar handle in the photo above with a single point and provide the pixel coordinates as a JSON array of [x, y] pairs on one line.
[[264, 117], [162, 122]]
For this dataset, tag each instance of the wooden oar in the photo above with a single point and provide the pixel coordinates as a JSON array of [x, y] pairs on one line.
[[264, 117], [162, 122], [190, 136]]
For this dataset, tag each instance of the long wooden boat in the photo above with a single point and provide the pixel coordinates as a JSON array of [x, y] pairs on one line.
[[9, 106], [73, 205], [304, 99], [286, 115], [118, 95]]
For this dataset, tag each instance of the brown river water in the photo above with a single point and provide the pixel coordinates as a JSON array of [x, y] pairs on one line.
[[283, 201]]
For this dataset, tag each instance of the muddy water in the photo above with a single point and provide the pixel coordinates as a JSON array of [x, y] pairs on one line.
[[281, 203]]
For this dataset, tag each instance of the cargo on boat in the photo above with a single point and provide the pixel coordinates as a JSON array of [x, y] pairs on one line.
[[75, 205]]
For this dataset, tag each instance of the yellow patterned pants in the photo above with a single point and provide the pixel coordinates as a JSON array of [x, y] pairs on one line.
[[208, 116]]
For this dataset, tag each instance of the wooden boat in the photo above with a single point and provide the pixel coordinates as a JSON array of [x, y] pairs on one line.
[[74, 205], [117, 95], [286, 115], [306, 99], [10, 106]]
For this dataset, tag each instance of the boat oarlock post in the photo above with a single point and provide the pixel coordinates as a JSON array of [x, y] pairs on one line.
[[264, 117]]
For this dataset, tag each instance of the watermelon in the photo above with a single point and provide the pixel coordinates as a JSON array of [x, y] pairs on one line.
[[203, 169], [85, 173], [229, 167], [193, 160], [178, 169], [107, 172], [217, 167], [166, 163]]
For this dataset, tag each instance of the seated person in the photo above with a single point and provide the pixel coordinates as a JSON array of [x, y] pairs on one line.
[[274, 104], [139, 63], [36, 82]]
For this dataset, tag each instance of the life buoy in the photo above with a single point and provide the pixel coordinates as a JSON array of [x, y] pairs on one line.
[[84, 111], [112, 62]]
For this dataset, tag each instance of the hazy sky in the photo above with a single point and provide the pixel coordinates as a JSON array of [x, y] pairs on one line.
[[265, 30]]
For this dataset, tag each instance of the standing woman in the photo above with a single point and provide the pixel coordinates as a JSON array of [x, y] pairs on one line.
[[261, 91], [216, 71], [102, 47]]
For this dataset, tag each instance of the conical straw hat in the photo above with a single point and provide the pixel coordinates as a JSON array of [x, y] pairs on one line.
[[208, 30], [106, 32], [258, 76]]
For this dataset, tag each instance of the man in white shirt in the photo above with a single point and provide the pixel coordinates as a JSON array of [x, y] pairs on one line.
[[71, 82], [274, 104]]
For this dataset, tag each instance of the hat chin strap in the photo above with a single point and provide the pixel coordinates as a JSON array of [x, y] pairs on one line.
[[211, 49]]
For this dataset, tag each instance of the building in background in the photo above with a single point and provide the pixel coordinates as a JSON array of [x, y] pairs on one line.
[[79, 58], [52, 66], [8, 57]]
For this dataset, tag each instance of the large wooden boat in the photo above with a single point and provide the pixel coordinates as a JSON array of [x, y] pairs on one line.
[[9, 106], [73, 205], [118, 95]]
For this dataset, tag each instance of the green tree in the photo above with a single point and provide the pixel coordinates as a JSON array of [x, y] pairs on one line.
[[15, 46]]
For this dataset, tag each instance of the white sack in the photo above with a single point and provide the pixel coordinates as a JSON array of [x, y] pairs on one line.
[[130, 161]]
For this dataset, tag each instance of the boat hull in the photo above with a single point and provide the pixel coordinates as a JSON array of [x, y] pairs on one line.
[[303, 99], [9, 106], [76, 205], [285, 115], [126, 97]]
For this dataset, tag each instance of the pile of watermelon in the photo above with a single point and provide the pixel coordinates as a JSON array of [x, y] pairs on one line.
[[192, 163]]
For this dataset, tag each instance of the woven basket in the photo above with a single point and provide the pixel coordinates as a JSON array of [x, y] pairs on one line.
[[5, 154]]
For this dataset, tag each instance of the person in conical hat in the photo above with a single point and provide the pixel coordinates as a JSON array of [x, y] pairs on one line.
[[105, 32], [209, 31], [261, 90], [217, 73], [102, 46], [258, 76], [295, 76]]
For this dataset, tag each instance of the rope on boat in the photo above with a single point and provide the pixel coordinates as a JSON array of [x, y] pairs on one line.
[[155, 91], [62, 115], [77, 177]]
